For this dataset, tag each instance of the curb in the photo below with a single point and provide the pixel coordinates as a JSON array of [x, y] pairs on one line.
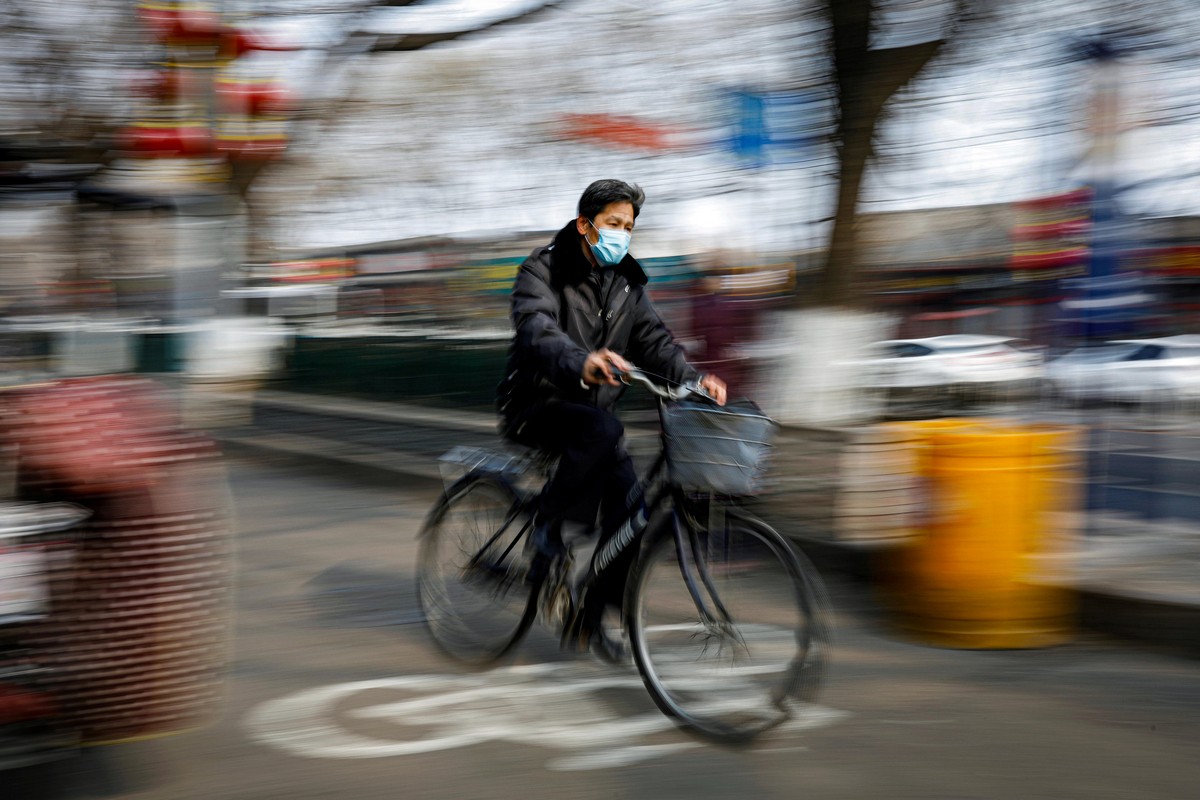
[[300, 452], [1158, 621]]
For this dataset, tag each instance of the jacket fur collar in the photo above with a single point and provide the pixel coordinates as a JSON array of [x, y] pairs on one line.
[[569, 265]]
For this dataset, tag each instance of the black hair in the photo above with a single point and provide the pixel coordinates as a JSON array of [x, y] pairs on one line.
[[600, 194]]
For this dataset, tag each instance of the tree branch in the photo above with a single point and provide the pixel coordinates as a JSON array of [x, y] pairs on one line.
[[418, 41], [872, 76]]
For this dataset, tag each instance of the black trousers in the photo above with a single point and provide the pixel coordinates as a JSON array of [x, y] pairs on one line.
[[594, 473], [594, 470]]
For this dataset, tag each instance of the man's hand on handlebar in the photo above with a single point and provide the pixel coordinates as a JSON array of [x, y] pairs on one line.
[[599, 366], [604, 367], [715, 388]]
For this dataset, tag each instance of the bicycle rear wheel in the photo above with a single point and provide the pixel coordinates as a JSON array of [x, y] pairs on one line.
[[739, 662], [472, 566]]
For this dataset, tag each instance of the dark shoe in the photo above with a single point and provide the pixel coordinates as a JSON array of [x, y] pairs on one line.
[[611, 648], [605, 637]]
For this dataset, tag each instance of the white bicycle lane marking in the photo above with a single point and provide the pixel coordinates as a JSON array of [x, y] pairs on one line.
[[554, 705]]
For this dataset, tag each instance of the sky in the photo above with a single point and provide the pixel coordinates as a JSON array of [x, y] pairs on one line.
[[460, 136], [465, 137]]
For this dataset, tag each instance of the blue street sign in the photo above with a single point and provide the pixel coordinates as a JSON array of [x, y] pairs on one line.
[[776, 126]]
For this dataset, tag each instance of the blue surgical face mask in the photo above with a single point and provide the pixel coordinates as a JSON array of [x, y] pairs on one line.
[[612, 245]]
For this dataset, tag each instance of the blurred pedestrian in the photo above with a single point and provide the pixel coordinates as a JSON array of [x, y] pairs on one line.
[[721, 323]]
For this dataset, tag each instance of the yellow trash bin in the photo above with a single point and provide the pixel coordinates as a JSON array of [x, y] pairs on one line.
[[972, 574]]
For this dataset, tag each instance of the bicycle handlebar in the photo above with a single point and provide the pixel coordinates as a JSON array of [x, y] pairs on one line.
[[660, 387]]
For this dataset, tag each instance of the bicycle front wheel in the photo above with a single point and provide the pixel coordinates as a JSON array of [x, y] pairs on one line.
[[730, 631], [472, 567]]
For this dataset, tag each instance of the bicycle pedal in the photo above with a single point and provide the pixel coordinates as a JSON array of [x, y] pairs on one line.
[[574, 633], [557, 608], [557, 604], [574, 636]]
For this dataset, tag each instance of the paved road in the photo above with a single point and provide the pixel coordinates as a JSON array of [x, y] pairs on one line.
[[336, 692]]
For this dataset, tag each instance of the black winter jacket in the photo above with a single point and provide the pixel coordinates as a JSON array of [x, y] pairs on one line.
[[561, 312]]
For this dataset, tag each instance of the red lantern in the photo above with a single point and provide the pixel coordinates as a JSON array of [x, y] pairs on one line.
[[178, 140], [252, 126], [262, 98], [236, 43], [181, 23]]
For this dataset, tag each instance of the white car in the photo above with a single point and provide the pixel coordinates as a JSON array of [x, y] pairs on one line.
[[952, 361], [1129, 371]]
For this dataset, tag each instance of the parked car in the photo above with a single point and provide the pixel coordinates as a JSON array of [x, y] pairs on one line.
[[957, 362], [1129, 371]]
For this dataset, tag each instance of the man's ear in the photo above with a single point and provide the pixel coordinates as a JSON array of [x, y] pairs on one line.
[[582, 224]]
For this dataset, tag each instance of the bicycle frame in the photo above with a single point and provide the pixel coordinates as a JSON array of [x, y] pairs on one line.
[[513, 514], [685, 529]]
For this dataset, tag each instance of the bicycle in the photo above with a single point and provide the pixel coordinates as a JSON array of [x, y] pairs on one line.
[[726, 619]]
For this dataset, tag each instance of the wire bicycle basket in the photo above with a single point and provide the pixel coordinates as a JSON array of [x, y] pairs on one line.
[[717, 449]]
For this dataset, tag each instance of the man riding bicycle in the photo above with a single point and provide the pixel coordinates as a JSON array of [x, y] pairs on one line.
[[579, 310]]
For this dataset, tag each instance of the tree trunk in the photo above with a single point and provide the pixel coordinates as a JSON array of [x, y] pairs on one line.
[[818, 383], [866, 79], [837, 279]]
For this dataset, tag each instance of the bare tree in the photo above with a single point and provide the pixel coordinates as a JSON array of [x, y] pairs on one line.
[[64, 80], [866, 77], [358, 41]]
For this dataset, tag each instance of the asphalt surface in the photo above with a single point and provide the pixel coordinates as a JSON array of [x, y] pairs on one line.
[[335, 691]]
